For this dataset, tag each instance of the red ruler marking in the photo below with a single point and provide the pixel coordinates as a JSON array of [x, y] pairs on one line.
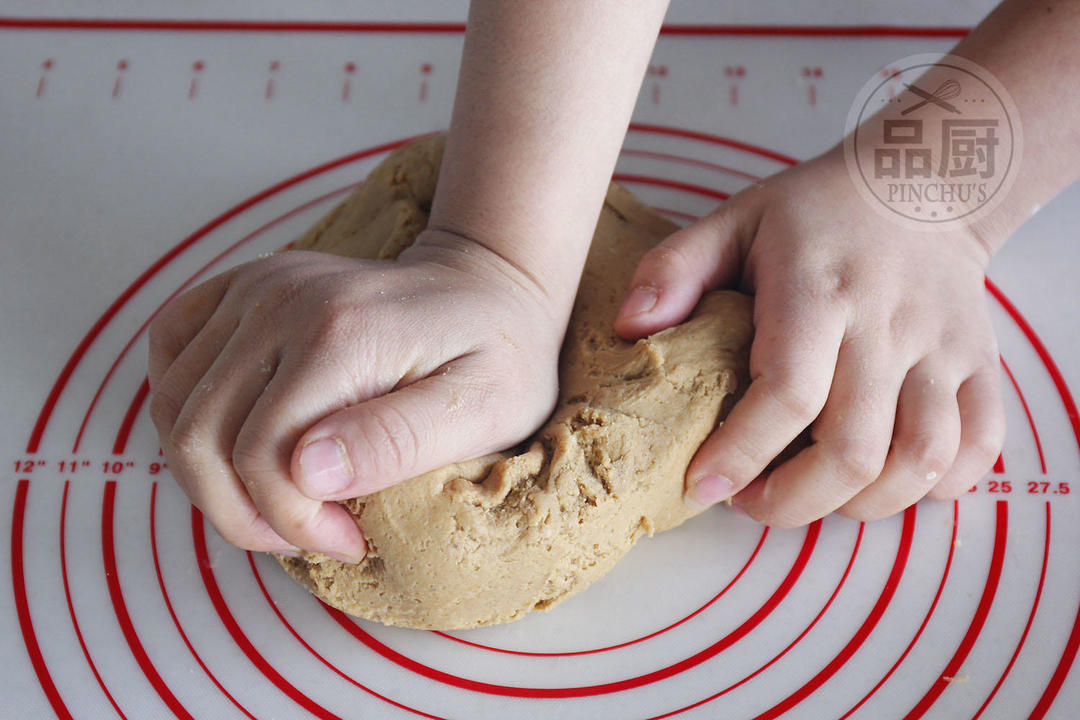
[[324, 661], [812, 533], [71, 605], [1072, 645], [907, 533], [238, 636], [44, 23], [1027, 411], [630, 152], [676, 214], [796, 641], [670, 184], [926, 620], [112, 579], [169, 605], [1031, 618], [993, 576], [22, 607], [120, 444], [713, 599], [714, 140]]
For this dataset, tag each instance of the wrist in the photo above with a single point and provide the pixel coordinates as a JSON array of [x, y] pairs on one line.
[[478, 260], [980, 239]]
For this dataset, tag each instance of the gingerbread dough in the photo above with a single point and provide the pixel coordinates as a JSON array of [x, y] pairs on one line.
[[488, 540]]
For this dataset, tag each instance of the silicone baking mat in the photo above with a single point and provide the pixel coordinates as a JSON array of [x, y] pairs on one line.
[[140, 156]]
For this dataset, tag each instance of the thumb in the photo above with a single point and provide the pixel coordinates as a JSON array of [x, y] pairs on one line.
[[671, 277], [380, 442]]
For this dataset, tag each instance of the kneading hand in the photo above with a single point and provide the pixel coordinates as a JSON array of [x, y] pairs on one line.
[[302, 378], [875, 337]]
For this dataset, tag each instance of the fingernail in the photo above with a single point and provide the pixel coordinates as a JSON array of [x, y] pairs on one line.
[[711, 489], [340, 557], [640, 300], [325, 467]]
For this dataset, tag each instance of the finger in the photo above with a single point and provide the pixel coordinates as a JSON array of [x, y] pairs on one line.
[[850, 443], [792, 360], [982, 433], [261, 457], [925, 442], [199, 449], [671, 277], [173, 388], [177, 324], [378, 443]]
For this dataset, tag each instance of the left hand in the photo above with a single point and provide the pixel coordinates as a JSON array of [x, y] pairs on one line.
[[876, 337]]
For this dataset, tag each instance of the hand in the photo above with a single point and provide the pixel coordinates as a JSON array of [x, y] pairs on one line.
[[304, 378], [875, 337]]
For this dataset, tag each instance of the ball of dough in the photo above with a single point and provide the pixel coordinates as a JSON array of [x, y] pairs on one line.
[[488, 540]]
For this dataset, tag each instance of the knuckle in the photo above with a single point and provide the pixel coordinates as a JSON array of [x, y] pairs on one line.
[[187, 436], [247, 532], [249, 460], [926, 453], [393, 440], [802, 400], [856, 462], [668, 258], [339, 325], [297, 523], [741, 455]]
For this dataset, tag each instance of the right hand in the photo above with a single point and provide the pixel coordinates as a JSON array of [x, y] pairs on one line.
[[300, 379]]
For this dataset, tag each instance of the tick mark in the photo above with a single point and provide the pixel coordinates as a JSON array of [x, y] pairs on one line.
[[118, 85], [734, 73], [45, 67], [274, 67], [350, 68], [656, 71], [810, 74], [193, 89], [425, 70]]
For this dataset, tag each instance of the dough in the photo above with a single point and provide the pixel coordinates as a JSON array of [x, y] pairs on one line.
[[488, 540]]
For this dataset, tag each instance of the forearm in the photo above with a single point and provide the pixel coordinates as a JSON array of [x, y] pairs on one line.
[[544, 98], [1033, 48]]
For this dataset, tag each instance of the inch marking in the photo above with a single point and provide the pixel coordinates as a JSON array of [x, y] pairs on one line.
[[118, 85], [269, 93], [734, 73], [45, 68], [193, 88], [425, 72], [346, 89]]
